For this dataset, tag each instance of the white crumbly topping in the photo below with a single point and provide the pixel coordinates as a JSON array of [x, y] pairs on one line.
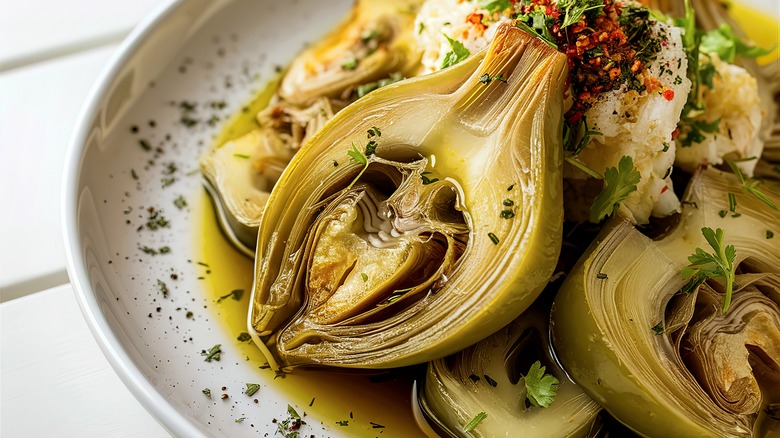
[[438, 18], [636, 124], [640, 125], [734, 100]]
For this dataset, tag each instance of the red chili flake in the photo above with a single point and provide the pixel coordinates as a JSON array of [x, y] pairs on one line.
[[675, 133], [664, 189], [668, 94], [476, 20]]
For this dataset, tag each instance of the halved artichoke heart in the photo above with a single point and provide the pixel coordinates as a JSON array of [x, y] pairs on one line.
[[374, 41], [241, 173], [456, 388], [666, 362], [449, 231]]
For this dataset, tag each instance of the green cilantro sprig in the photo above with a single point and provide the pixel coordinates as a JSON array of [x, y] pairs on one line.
[[540, 388], [618, 184], [458, 53], [728, 46], [706, 265], [574, 9]]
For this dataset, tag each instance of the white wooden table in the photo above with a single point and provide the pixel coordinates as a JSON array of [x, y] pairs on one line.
[[55, 381]]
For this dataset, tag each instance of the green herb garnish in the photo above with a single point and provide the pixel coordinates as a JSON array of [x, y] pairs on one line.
[[727, 45], [214, 353], [751, 185], [540, 388], [458, 53], [706, 265], [474, 422], [251, 389], [236, 294], [618, 184]]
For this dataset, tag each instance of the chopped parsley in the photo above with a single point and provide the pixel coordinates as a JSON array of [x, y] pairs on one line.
[[493, 238], [244, 337], [350, 64], [658, 329], [692, 131], [486, 79], [704, 265], [618, 184], [236, 294], [180, 202], [364, 276], [163, 288], [206, 391], [770, 234], [363, 89], [540, 388], [251, 389], [458, 53], [214, 353], [426, 180], [291, 425], [474, 422], [243, 156], [573, 10], [156, 221], [490, 381]]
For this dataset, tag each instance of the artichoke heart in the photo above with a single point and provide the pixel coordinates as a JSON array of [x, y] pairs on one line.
[[442, 224], [659, 352], [375, 41], [456, 387]]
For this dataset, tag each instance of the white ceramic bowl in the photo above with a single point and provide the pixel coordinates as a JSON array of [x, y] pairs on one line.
[[207, 53]]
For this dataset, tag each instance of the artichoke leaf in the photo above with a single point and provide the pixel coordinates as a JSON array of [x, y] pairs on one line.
[[427, 264], [663, 361], [240, 173], [375, 41], [456, 387]]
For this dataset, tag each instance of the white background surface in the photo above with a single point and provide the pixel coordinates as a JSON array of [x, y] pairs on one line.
[[55, 381]]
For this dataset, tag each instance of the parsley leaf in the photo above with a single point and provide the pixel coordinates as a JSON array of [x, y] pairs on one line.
[[458, 53], [251, 389], [727, 45], [474, 422], [712, 265], [540, 388], [213, 353], [618, 184], [574, 10], [493, 6]]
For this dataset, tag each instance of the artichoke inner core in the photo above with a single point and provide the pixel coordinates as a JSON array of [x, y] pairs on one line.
[[735, 357], [372, 250]]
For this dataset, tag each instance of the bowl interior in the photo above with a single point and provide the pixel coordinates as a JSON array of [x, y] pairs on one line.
[[136, 216]]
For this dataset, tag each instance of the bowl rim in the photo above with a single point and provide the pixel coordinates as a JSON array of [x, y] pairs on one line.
[[132, 377]]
